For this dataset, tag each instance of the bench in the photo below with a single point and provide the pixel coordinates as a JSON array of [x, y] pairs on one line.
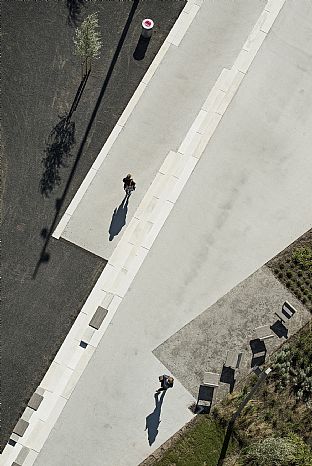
[[211, 379], [286, 312], [233, 359]]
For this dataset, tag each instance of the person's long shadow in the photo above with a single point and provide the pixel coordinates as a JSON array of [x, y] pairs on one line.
[[118, 218], [153, 419]]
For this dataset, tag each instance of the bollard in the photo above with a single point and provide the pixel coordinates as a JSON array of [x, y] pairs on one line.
[[147, 28]]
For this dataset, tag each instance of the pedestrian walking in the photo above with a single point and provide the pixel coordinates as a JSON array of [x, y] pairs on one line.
[[166, 381], [129, 184]]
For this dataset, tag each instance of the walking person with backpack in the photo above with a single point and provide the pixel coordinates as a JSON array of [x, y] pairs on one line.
[[129, 184], [166, 381]]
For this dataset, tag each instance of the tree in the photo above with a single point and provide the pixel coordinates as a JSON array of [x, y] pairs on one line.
[[88, 40]]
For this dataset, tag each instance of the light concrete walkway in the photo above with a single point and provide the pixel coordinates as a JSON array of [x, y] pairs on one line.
[[247, 198], [161, 119]]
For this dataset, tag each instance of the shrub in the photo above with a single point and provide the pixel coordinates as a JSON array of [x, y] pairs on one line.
[[293, 367], [303, 455], [303, 257], [270, 451], [277, 451]]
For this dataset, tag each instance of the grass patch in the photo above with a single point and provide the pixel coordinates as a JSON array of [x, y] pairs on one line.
[[200, 445]]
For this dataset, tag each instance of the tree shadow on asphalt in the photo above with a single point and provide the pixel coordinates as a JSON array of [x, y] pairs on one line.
[[74, 10], [44, 255], [58, 150], [118, 218], [59, 144], [153, 419]]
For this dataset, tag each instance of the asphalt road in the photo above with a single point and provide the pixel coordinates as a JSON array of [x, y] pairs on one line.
[[45, 282]]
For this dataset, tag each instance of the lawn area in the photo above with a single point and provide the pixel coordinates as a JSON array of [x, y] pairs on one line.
[[198, 445]]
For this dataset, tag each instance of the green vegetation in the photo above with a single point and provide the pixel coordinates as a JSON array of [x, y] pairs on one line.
[[293, 267], [200, 445], [281, 408], [292, 368], [277, 451], [88, 40]]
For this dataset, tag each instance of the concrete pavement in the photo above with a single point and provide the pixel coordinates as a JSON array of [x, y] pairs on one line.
[[230, 218]]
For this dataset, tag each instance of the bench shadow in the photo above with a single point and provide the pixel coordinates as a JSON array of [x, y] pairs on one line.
[[153, 419], [259, 351], [279, 329], [228, 377], [118, 218], [204, 400]]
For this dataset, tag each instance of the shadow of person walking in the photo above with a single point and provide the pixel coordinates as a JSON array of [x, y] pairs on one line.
[[118, 218], [153, 419]]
